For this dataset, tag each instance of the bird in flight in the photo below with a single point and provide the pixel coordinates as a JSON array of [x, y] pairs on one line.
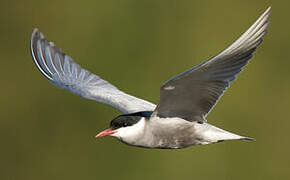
[[179, 119]]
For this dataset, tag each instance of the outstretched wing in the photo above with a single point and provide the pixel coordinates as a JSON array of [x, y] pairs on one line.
[[193, 93], [64, 73]]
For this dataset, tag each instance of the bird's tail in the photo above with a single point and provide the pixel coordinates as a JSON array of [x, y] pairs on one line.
[[211, 134]]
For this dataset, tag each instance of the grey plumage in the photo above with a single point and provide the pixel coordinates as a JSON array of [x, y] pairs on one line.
[[193, 93]]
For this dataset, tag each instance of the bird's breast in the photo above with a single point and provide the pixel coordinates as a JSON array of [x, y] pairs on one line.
[[170, 133]]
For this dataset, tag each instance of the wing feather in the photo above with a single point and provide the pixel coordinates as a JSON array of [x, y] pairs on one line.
[[64, 73], [194, 92]]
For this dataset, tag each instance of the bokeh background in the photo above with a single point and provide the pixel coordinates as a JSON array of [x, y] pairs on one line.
[[48, 133]]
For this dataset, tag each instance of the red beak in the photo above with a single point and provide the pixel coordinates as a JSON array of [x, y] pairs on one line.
[[105, 132]]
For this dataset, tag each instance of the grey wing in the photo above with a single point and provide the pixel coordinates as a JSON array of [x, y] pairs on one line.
[[192, 94], [64, 73]]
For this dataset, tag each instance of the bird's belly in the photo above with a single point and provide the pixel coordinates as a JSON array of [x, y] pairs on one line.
[[163, 143], [171, 134], [176, 141]]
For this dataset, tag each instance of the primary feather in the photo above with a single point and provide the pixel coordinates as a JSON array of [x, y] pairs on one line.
[[64, 73]]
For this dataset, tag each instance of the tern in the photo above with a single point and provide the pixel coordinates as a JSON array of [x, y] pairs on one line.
[[179, 119]]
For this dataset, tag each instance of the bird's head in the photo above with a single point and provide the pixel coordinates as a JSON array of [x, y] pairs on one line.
[[126, 126]]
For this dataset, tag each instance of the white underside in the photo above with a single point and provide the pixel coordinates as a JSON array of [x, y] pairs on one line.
[[169, 132]]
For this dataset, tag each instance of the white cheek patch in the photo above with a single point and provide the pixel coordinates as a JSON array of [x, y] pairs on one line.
[[131, 133]]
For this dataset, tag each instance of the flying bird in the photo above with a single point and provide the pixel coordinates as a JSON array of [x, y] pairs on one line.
[[179, 119]]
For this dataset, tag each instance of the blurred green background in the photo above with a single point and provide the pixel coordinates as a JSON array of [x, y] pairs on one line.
[[48, 133]]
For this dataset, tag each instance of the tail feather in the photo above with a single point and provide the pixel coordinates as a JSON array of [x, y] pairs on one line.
[[211, 134], [248, 139]]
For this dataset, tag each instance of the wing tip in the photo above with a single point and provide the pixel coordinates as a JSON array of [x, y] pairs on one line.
[[33, 36], [263, 23], [267, 12], [36, 35], [269, 9], [265, 16], [34, 31]]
